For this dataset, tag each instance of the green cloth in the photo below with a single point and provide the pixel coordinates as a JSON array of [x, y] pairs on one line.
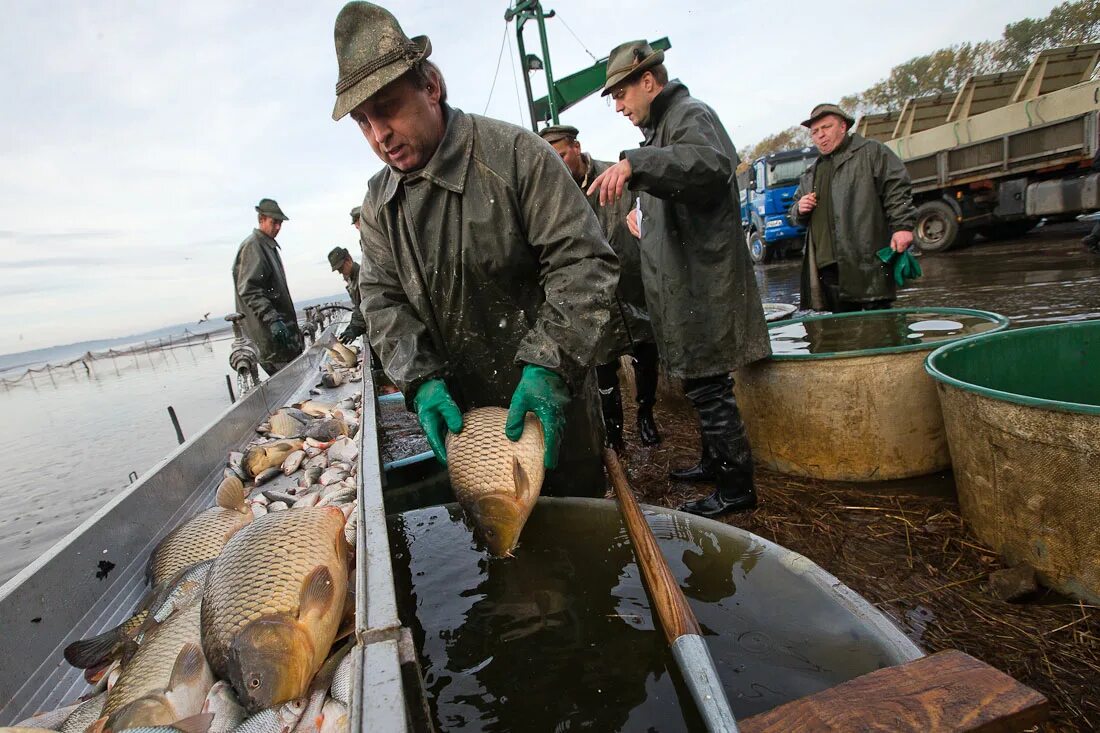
[[821, 220], [544, 393], [437, 413], [903, 265]]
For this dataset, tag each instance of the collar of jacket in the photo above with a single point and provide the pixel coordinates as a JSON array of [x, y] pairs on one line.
[[589, 171], [855, 142], [448, 166], [668, 96], [265, 239]]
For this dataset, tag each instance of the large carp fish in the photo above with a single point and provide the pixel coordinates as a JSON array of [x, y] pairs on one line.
[[496, 481], [273, 603]]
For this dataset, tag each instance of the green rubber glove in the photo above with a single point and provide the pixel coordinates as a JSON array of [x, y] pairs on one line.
[[437, 414], [544, 393], [903, 266], [281, 335]]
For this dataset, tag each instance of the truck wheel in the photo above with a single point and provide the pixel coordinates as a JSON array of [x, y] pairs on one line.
[[937, 229], [758, 248]]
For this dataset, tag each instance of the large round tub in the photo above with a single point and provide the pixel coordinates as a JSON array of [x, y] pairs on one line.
[[1022, 411], [844, 397]]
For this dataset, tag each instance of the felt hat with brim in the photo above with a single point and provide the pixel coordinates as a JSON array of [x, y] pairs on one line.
[[828, 109], [558, 132], [337, 256], [371, 51], [628, 60], [355, 214], [268, 207]]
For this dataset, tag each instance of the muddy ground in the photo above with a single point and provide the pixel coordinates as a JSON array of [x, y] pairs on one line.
[[903, 545]]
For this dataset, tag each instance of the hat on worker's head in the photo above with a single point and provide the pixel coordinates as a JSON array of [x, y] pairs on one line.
[[268, 207], [628, 60], [337, 256], [355, 214], [371, 51], [559, 132], [828, 109]]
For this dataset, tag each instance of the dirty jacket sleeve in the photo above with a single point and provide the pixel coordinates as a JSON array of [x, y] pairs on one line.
[[894, 190], [252, 283], [394, 328], [691, 167], [578, 270]]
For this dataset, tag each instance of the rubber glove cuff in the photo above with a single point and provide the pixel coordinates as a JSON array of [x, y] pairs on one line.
[[437, 413]]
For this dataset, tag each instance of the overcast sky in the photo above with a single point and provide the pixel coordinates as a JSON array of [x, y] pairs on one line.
[[137, 137]]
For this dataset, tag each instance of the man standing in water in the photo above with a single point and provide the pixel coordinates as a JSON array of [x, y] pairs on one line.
[[854, 200], [699, 282], [631, 296], [261, 293], [485, 278]]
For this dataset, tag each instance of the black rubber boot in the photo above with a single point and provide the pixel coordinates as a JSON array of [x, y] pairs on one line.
[[645, 381], [611, 403], [702, 471], [735, 493]]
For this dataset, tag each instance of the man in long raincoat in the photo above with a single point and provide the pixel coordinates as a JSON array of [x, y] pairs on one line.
[[485, 278], [261, 293], [699, 284]]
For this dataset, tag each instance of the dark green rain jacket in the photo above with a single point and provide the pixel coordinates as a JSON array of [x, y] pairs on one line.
[[261, 294], [487, 259], [358, 324], [872, 198], [699, 283]]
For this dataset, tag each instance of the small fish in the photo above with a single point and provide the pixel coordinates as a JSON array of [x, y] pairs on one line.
[[286, 426], [342, 355], [333, 475], [334, 717], [293, 462], [349, 531], [341, 681], [332, 379], [326, 430], [259, 510], [496, 481], [277, 506], [194, 724], [307, 500], [85, 714], [266, 475], [320, 460], [281, 719], [342, 495], [313, 408], [344, 450], [222, 703], [259, 458], [347, 404], [311, 476], [50, 720]]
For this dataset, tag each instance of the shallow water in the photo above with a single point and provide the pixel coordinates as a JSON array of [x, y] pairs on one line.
[[874, 330], [561, 637], [71, 443]]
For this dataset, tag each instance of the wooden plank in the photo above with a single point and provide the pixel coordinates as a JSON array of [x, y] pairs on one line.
[[948, 691]]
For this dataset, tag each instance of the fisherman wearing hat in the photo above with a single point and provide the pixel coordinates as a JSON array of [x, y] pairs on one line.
[[261, 292], [485, 277], [355, 218], [854, 200], [341, 262], [699, 281], [637, 336]]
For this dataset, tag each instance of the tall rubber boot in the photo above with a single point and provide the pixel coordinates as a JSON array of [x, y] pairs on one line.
[[645, 381], [701, 471], [731, 456], [611, 403]]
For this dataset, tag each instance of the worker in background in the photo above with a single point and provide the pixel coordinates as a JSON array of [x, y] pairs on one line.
[[853, 200], [355, 217], [699, 282], [261, 293], [485, 277], [637, 335]]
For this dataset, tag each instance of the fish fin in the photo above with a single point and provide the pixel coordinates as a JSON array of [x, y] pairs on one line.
[[94, 651], [97, 727], [199, 723], [318, 593], [188, 668], [523, 484], [231, 494]]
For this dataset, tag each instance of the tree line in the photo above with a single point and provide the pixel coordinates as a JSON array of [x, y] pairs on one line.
[[946, 69]]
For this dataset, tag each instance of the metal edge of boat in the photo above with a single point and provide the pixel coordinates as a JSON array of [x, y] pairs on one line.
[[60, 598]]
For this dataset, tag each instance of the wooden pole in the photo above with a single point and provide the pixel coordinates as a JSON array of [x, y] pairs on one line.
[[677, 619]]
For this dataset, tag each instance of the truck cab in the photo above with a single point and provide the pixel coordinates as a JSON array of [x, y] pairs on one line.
[[768, 193]]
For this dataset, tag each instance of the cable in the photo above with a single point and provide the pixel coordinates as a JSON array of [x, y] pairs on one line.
[[558, 16], [496, 73], [515, 80]]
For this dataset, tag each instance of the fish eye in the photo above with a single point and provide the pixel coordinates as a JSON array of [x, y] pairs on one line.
[[253, 683]]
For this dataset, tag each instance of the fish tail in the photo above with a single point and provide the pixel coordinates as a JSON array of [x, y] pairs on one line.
[[95, 651], [199, 723]]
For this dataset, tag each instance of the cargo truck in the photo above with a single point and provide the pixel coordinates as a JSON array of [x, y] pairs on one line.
[[767, 189], [1001, 153]]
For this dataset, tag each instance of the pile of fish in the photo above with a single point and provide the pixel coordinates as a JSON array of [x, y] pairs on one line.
[[250, 613]]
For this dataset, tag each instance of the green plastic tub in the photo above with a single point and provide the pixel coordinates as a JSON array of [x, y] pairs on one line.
[[1022, 412]]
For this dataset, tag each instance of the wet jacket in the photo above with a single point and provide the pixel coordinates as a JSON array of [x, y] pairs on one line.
[[486, 259], [699, 282], [261, 294], [635, 326], [871, 199], [358, 325]]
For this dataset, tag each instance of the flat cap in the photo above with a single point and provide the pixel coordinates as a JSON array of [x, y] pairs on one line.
[[558, 132]]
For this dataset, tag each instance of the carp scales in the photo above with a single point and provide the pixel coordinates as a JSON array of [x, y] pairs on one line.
[[166, 680], [342, 355], [273, 603], [203, 536], [259, 458], [496, 481]]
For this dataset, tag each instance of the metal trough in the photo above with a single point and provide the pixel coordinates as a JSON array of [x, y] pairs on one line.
[[1022, 411], [864, 414]]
